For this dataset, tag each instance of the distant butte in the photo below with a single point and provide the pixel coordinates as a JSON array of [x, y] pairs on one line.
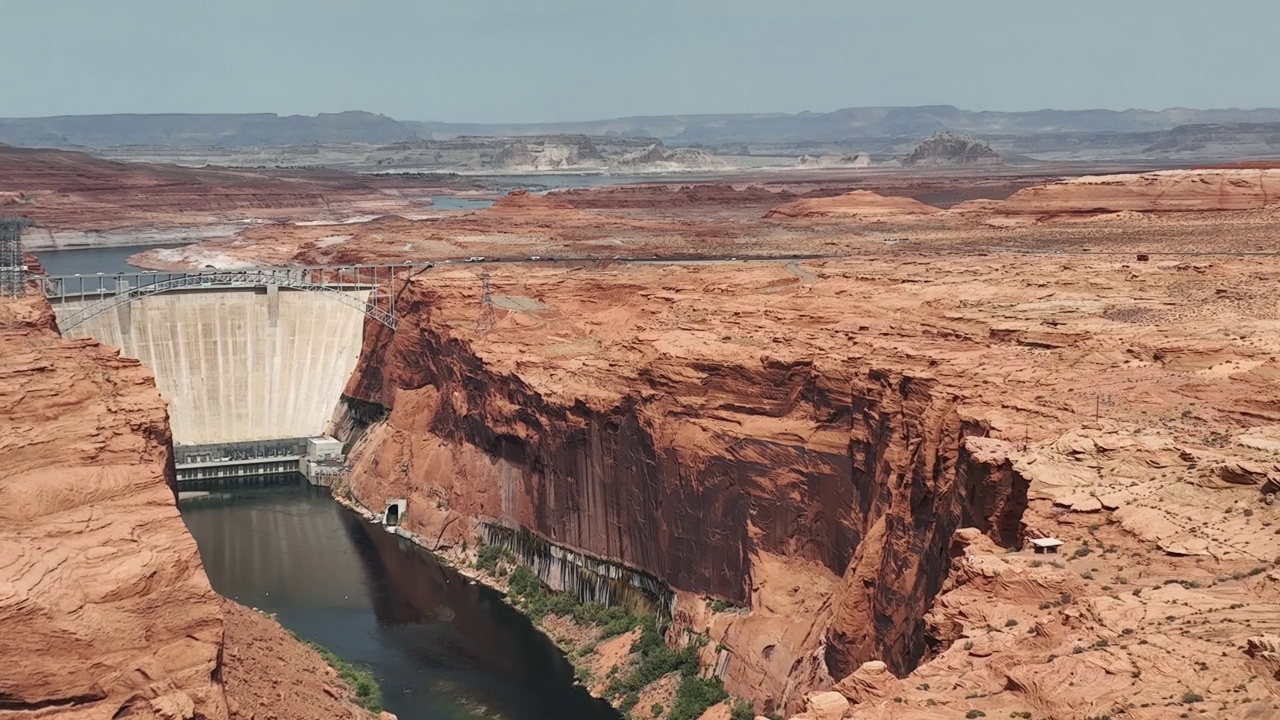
[[859, 203]]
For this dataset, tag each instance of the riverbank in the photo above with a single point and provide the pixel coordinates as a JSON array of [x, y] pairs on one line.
[[268, 669], [618, 657], [440, 646]]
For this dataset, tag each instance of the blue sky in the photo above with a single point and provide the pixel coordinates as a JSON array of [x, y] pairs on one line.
[[555, 60]]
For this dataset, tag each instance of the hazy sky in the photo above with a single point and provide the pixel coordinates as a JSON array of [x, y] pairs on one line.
[[548, 60]]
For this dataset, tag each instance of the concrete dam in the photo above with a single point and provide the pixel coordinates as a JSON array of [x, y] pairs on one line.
[[237, 364]]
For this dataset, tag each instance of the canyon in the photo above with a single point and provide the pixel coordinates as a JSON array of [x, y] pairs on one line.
[[856, 454], [823, 416]]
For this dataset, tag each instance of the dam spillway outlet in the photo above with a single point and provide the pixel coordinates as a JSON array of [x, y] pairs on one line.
[[589, 579], [318, 458]]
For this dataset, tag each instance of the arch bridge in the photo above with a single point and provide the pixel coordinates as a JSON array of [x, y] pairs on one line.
[[102, 292]]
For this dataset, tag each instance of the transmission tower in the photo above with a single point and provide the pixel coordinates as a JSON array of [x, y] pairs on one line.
[[487, 316], [13, 273]]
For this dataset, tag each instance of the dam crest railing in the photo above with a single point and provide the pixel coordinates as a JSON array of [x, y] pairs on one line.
[[112, 290]]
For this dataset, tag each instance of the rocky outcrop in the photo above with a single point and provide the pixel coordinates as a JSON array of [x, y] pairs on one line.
[[714, 474], [851, 452], [1221, 140], [856, 204], [523, 204], [860, 160], [948, 148], [655, 159], [1156, 192], [105, 609]]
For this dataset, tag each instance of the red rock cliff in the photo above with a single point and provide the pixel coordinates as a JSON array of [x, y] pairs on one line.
[[105, 609], [711, 453], [105, 606]]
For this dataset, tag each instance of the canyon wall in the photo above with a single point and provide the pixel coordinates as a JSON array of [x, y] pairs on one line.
[[723, 474], [105, 608]]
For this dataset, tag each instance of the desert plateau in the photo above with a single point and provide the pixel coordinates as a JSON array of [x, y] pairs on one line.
[[459, 406]]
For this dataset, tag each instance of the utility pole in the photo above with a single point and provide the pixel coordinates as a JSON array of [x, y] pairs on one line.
[[487, 317], [1098, 399]]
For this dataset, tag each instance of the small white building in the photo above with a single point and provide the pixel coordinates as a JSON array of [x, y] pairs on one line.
[[323, 447], [1046, 545]]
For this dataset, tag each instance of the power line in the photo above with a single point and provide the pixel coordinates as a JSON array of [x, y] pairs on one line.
[[13, 273], [488, 317]]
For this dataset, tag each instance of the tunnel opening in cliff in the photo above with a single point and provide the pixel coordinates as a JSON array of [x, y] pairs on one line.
[[692, 475]]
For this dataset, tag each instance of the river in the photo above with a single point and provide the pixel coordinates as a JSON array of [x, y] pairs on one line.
[[441, 646]]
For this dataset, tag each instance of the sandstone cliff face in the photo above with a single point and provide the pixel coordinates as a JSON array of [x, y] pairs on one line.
[[811, 440], [105, 607], [1156, 192], [856, 204], [714, 471]]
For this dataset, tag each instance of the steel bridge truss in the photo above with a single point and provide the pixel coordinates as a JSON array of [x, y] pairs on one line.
[[337, 282]]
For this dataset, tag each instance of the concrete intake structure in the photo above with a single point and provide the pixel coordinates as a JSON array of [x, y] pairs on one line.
[[237, 364]]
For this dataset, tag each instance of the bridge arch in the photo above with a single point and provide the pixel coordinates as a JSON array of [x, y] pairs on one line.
[[336, 282]]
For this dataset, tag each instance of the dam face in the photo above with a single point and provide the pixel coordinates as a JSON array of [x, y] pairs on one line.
[[237, 364]]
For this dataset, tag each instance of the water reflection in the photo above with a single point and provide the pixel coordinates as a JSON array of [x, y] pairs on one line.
[[441, 646]]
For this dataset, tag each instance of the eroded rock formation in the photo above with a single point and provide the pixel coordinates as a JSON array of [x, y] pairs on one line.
[[846, 449], [856, 204], [105, 609], [948, 148], [691, 465], [79, 200], [106, 606], [1156, 192]]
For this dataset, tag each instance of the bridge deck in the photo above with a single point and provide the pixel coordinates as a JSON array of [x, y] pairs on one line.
[[107, 291]]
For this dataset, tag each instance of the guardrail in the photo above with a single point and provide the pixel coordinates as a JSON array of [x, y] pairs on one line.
[[115, 289]]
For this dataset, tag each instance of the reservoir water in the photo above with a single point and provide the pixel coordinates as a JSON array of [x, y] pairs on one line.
[[88, 261], [441, 646]]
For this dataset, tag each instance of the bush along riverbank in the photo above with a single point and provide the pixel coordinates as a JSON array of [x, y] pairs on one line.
[[618, 656], [361, 681]]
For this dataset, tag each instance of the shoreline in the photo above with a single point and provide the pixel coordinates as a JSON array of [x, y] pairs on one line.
[[454, 561]]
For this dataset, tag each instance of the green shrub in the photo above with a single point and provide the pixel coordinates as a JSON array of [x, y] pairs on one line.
[[742, 710], [695, 696], [655, 659], [360, 680], [488, 557], [1192, 697], [975, 714]]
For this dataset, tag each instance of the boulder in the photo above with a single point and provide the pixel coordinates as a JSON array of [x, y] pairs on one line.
[[828, 705]]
